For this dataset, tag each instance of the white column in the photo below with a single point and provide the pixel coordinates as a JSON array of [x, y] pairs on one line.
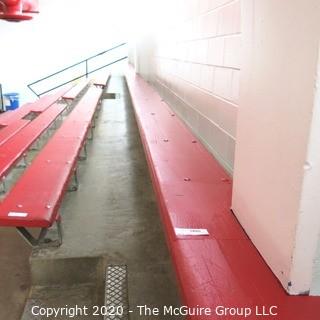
[[144, 53], [276, 194]]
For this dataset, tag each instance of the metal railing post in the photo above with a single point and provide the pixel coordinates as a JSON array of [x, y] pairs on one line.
[[29, 87], [1, 99], [87, 74]]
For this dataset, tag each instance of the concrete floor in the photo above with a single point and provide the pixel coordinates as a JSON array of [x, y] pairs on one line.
[[111, 219], [14, 274]]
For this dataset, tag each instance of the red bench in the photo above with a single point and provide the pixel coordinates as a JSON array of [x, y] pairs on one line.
[[222, 268], [38, 106], [13, 149], [35, 199]]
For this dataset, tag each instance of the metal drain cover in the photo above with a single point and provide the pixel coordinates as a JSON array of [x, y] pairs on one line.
[[116, 293]]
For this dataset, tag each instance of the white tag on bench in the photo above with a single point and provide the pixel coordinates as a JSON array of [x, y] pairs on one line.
[[18, 214], [191, 232]]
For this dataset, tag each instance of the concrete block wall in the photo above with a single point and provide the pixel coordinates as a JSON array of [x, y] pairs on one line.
[[196, 67]]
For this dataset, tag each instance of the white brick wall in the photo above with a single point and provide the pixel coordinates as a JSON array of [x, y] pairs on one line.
[[197, 66]]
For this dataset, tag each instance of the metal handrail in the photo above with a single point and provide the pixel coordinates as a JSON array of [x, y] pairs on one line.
[[74, 65]]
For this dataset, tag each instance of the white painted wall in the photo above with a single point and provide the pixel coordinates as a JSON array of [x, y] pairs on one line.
[[63, 33], [276, 173], [195, 64], [310, 202]]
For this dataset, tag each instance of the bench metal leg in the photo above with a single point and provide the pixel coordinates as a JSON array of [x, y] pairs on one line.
[[67, 108], [3, 186], [36, 145], [30, 239], [70, 106], [75, 183], [84, 153], [24, 162], [54, 125], [41, 241], [90, 136], [59, 229], [99, 107]]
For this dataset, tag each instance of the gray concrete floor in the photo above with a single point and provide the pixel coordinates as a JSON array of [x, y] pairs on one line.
[[14, 274], [113, 215]]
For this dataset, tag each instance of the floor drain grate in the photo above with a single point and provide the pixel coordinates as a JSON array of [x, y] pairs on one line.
[[116, 293]]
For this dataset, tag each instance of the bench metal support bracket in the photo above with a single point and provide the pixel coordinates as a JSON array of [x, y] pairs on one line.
[[84, 153], [3, 186], [75, 182], [23, 162], [90, 136], [41, 241]]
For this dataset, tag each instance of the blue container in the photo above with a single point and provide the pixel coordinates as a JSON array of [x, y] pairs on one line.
[[11, 100]]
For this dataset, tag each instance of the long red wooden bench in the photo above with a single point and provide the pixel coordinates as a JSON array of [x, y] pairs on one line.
[[221, 267], [38, 106], [15, 148], [35, 199]]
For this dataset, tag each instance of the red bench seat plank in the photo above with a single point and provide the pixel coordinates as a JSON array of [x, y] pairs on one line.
[[229, 273], [39, 190], [13, 149], [80, 119], [193, 191], [87, 104], [10, 130]]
